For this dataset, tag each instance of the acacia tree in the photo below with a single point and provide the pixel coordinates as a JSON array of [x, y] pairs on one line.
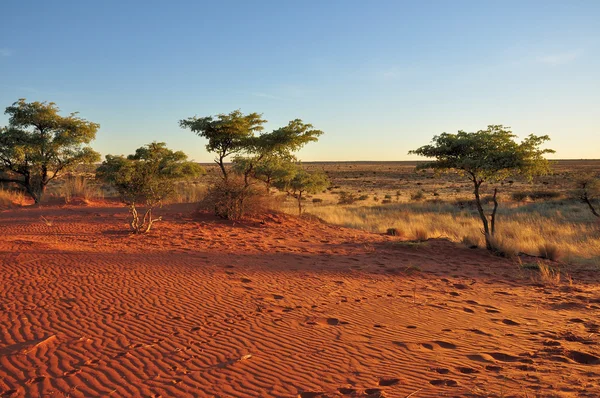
[[257, 156], [146, 178], [489, 155], [38, 144], [297, 182], [269, 153], [227, 134], [588, 191]]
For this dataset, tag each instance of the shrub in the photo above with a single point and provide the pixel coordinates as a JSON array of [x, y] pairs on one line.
[[519, 196], [418, 195], [388, 197], [363, 197], [386, 201], [394, 232], [347, 198], [544, 195], [317, 200], [146, 178], [231, 199]]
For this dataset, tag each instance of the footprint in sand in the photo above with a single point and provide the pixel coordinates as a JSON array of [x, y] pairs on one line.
[[434, 345], [466, 370], [326, 322], [8, 393], [469, 310], [346, 391], [121, 354], [71, 372], [388, 382], [441, 371], [38, 379], [510, 322], [278, 297], [246, 280], [583, 358], [444, 382]]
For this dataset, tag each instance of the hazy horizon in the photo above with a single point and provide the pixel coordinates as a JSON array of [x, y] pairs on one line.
[[379, 79]]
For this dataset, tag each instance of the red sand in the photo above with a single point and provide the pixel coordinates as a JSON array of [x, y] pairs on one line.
[[282, 308]]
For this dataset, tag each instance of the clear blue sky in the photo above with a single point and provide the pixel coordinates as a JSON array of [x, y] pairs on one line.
[[379, 77]]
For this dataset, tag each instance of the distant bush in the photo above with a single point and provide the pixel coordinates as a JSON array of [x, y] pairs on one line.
[[519, 196], [346, 198], [317, 200], [418, 195], [544, 195], [386, 201], [363, 197], [394, 232], [387, 197]]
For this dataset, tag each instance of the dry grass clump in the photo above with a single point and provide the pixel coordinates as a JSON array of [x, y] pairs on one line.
[[10, 198], [472, 242], [503, 248], [394, 232], [188, 192], [546, 274], [78, 187], [420, 234], [551, 251]]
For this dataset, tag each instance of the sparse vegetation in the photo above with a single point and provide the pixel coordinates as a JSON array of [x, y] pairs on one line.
[[489, 155], [146, 178], [39, 144]]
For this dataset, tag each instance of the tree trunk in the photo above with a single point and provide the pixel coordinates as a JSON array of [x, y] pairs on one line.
[[221, 164], [587, 200], [484, 220], [494, 212], [300, 203]]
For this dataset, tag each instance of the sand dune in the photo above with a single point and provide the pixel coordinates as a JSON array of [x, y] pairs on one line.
[[277, 307]]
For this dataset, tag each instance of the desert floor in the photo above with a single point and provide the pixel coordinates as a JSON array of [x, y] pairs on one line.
[[278, 307]]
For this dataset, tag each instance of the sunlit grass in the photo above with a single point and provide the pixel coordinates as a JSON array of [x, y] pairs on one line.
[[530, 228]]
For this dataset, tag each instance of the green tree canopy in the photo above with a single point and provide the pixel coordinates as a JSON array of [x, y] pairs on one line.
[[268, 152], [146, 178], [297, 182], [487, 155], [227, 134], [39, 144]]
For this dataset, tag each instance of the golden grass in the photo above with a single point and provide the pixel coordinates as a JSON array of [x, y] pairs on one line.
[[10, 198], [79, 187], [554, 230]]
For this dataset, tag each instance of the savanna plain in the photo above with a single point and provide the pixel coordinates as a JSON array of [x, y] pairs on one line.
[[382, 288]]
